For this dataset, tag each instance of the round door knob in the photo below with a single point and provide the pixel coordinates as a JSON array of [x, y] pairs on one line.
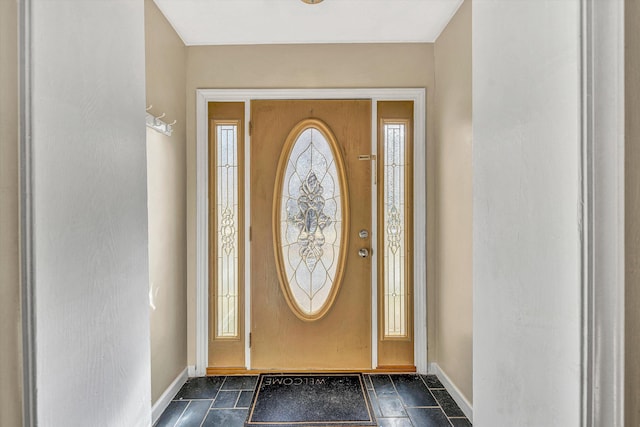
[[363, 252]]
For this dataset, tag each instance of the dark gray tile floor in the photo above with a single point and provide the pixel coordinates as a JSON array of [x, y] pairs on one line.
[[399, 400], [413, 400]]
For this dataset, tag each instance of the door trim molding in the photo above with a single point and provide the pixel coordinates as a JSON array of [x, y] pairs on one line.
[[602, 216], [26, 230], [203, 97]]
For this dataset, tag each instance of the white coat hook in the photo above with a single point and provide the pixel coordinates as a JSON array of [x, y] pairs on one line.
[[149, 107], [158, 121]]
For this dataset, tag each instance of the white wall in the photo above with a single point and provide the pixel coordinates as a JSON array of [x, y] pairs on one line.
[[90, 221], [526, 240]]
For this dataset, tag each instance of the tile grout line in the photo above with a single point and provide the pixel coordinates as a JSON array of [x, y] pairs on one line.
[[222, 385], [375, 393], [235, 404], [448, 417], [207, 413], [184, 400], [402, 402], [217, 393], [424, 381], [432, 395], [181, 414], [422, 377], [227, 409], [424, 407]]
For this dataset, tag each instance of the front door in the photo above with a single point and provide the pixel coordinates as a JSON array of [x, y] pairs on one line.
[[313, 173], [310, 234]]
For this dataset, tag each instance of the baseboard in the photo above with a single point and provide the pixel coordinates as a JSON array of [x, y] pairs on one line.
[[163, 401], [454, 391]]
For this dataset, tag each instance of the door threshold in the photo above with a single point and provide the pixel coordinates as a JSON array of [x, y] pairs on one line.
[[392, 369]]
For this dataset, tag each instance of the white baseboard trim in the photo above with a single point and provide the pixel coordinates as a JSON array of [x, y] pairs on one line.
[[454, 391], [163, 401], [192, 371]]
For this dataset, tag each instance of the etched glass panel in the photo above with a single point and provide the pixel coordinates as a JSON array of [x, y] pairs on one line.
[[395, 286], [226, 204], [310, 221]]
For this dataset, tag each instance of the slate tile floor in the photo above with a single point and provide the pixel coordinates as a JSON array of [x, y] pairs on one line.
[[399, 400]]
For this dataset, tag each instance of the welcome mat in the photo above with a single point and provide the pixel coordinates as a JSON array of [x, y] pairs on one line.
[[288, 400]]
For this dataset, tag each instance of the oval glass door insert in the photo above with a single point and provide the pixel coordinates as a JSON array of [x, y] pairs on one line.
[[310, 220]]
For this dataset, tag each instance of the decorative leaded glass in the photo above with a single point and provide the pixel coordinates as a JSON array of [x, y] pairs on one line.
[[311, 220], [394, 253], [226, 204]]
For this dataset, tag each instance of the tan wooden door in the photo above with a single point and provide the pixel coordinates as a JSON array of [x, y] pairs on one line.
[[281, 338]]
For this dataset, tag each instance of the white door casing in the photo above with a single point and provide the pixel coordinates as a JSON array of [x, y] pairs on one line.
[[203, 97]]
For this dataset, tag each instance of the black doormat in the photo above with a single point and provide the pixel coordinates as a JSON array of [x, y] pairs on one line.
[[288, 400]]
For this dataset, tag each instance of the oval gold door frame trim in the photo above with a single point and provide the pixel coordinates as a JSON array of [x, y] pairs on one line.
[[297, 130]]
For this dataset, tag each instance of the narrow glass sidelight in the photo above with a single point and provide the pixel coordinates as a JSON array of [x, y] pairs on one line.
[[226, 207], [395, 229], [310, 219]]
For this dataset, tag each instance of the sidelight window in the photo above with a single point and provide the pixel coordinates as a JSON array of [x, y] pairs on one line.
[[226, 215], [394, 236]]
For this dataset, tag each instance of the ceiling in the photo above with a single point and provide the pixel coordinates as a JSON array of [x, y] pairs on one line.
[[229, 22]]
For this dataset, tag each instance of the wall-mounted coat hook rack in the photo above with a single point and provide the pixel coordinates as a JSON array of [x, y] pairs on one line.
[[155, 123]]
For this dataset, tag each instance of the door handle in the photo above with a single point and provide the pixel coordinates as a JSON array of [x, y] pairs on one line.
[[373, 158], [363, 252]]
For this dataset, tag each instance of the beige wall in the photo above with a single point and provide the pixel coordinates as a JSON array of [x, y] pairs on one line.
[[166, 58], [632, 208], [10, 339], [304, 66], [454, 210]]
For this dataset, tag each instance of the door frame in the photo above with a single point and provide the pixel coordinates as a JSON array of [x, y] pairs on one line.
[[418, 96]]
